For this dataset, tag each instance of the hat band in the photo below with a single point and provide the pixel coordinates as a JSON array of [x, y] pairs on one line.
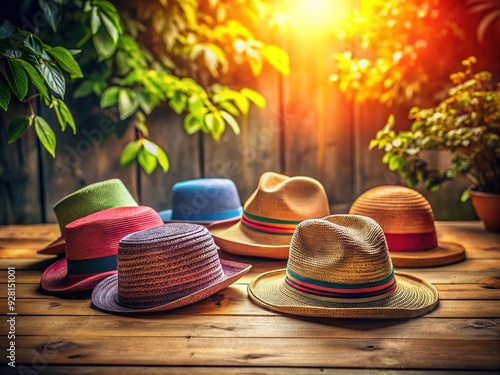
[[411, 241], [347, 291], [269, 226], [208, 216], [89, 266]]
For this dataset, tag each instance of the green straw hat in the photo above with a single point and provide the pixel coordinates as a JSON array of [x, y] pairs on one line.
[[85, 201]]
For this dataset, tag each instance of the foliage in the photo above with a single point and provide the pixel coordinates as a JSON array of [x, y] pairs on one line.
[[138, 55], [465, 124], [390, 48]]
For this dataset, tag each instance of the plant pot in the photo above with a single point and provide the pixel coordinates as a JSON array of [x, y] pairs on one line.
[[487, 207]]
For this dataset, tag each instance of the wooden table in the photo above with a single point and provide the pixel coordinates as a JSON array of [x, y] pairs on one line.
[[227, 333]]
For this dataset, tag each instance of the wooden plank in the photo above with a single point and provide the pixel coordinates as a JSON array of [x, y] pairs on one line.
[[92, 155], [234, 301], [295, 352], [251, 326], [446, 291], [20, 198], [167, 130], [160, 370]]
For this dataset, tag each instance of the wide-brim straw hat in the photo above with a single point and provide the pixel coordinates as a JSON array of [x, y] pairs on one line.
[[407, 220], [165, 268], [271, 214], [204, 201], [92, 247], [339, 267], [85, 201]]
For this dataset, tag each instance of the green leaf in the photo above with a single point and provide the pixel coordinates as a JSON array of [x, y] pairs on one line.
[[18, 127], [195, 104], [104, 45], [109, 97], [178, 102], [17, 79], [147, 161], [278, 58], [254, 96], [229, 107], [34, 44], [54, 78], [156, 151], [95, 20], [129, 153], [373, 143], [215, 125], [465, 196], [163, 160], [110, 27], [66, 61], [231, 121], [394, 163], [192, 124], [86, 88], [35, 78], [64, 115], [4, 96], [51, 12], [127, 103], [45, 135]]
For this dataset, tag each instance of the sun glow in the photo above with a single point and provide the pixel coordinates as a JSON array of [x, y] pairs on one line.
[[318, 14]]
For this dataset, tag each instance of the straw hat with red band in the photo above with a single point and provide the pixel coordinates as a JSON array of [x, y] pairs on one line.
[[339, 267], [163, 268], [271, 215], [87, 200], [92, 247], [407, 220]]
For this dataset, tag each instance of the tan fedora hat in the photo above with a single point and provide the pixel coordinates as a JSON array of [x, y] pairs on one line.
[[340, 267], [407, 220], [271, 214]]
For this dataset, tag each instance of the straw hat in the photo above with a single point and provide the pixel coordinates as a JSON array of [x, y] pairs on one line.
[[271, 214], [92, 198], [204, 201], [164, 268], [339, 267], [407, 220], [92, 247]]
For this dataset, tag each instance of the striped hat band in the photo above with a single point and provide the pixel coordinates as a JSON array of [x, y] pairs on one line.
[[267, 225]]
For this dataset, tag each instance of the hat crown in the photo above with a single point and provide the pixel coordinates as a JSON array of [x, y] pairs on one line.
[[288, 198], [100, 232], [166, 263], [398, 209], [92, 198], [203, 196], [343, 256]]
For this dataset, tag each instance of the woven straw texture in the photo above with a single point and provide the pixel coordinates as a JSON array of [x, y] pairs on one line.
[[164, 268], [92, 198], [404, 212], [91, 239], [348, 251], [277, 198], [204, 201]]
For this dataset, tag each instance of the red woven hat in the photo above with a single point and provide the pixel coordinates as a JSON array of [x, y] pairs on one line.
[[92, 247], [407, 220], [164, 268]]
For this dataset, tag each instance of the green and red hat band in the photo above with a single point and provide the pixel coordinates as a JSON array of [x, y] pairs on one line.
[[339, 290], [267, 225]]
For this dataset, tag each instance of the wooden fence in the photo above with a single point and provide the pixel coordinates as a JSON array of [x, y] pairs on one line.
[[307, 128]]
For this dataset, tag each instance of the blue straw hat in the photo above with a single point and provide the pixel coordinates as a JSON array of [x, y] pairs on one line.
[[204, 201]]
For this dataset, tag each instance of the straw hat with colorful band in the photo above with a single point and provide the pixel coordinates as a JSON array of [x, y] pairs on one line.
[[164, 268], [92, 198], [271, 214], [92, 247], [407, 220], [339, 267], [204, 201]]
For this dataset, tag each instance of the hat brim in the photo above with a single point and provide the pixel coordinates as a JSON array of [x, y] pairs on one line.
[[55, 279], [413, 297], [445, 253], [56, 247], [104, 294], [235, 240], [166, 216]]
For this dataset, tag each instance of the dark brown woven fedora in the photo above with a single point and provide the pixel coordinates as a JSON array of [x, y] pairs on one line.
[[164, 268]]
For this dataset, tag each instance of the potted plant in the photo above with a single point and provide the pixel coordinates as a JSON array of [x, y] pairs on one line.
[[467, 125]]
